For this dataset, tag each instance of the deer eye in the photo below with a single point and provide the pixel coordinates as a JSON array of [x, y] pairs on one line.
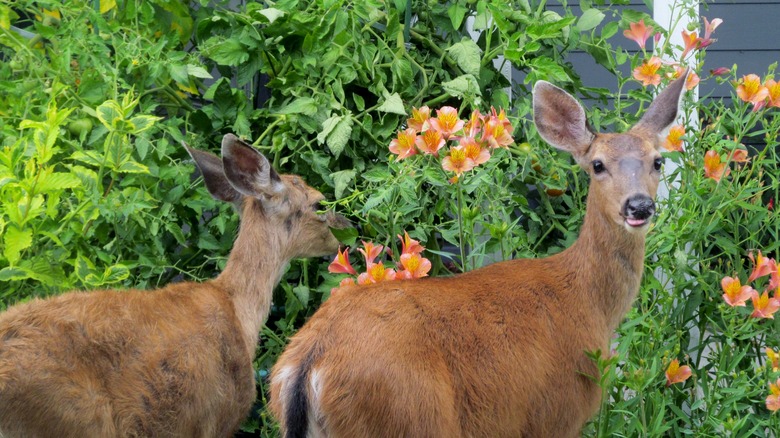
[[658, 163], [598, 166]]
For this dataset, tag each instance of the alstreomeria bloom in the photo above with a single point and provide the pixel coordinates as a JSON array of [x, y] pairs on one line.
[[639, 32], [761, 266], [734, 293], [430, 141], [446, 121], [676, 373], [341, 264], [414, 266], [457, 161], [404, 144], [750, 90], [370, 252], [774, 93], [647, 73], [763, 306], [713, 168], [409, 245], [376, 273], [773, 399], [419, 119], [691, 40], [674, 141]]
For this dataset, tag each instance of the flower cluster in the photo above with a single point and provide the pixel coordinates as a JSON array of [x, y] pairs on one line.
[[411, 263], [472, 138], [649, 72], [736, 295], [751, 90]]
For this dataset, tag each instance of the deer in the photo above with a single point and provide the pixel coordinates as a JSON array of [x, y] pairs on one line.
[[499, 351], [171, 362]]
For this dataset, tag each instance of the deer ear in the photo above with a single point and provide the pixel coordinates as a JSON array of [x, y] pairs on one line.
[[560, 119], [663, 111], [210, 167], [247, 170]]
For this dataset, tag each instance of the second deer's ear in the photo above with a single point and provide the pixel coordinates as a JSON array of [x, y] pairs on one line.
[[560, 119], [247, 170]]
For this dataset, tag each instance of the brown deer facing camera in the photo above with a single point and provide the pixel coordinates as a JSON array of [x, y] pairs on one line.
[[174, 362], [499, 351]]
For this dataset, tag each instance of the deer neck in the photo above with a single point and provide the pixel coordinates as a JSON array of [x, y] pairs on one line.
[[608, 261], [254, 267]]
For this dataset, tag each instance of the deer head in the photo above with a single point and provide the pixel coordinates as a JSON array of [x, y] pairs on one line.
[[284, 203], [624, 168]]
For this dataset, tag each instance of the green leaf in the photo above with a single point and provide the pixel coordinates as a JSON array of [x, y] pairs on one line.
[[272, 14], [590, 19], [456, 13], [462, 86], [142, 123], [228, 52], [56, 181], [131, 166], [392, 104], [198, 72], [16, 241], [302, 292], [115, 273], [467, 54], [377, 175], [13, 274], [301, 105], [327, 127], [109, 113], [339, 137], [342, 179], [347, 236]]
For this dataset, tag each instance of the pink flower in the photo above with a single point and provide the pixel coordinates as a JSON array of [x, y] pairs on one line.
[[709, 27], [676, 373], [691, 41], [639, 32], [773, 399], [474, 150], [735, 294], [750, 90], [713, 168], [761, 266], [691, 81], [430, 142], [674, 140], [370, 252], [419, 118], [409, 245], [457, 161], [647, 73], [720, 71], [341, 265], [376, 273], [403, 144], [446, 121], [414, 266], [763, 306]]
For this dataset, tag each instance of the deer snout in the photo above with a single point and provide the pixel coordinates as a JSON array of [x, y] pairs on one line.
[[638, 209]]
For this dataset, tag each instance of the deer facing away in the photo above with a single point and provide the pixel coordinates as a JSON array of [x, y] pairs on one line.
[[499, 351], [171, 362]]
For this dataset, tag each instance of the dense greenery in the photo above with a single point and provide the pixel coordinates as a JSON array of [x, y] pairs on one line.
[[95, 190]]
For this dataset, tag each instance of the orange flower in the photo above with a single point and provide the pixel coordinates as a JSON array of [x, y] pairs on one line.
[[474, 151], [376, 273], [750, 90], [414, 266], [761, 266], [691, 41], [774, 92], [773, 399], [474, 125], [674, 141], [403, 145], [496, 134], [349, 281], [419, 118], [341, 265], [647, 73], [713, 168], [691, 81], [370, 252], [501, 117], [430, 142], [457, 161], [735, 294], [709, 27], [773, 358], [409, 245], [774, 275], [446, 121], [739, 156], [639, 33], [676, 373], [763, 306]]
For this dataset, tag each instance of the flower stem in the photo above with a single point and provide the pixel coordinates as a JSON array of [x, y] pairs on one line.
[[463, 261]]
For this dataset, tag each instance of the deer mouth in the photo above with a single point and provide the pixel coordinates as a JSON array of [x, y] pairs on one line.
[[636, 222]]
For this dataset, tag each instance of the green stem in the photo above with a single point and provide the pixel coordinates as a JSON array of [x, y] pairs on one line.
[[463, 261]]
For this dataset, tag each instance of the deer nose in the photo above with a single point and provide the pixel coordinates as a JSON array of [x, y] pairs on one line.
[[639, 207]]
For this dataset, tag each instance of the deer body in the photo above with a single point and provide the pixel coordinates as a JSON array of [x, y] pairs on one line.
[[499, 351], [174, 362]]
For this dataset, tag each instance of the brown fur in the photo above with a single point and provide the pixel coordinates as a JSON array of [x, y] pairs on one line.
[[174, 362], [496, 352]]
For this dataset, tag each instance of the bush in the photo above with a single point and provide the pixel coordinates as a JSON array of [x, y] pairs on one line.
[[95, 192]]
